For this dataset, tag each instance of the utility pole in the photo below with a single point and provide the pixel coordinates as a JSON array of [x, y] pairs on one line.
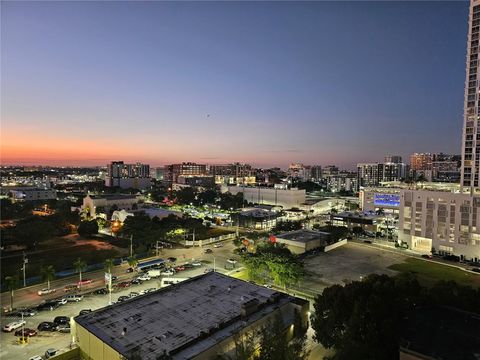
[[25, 262], [131, 245]]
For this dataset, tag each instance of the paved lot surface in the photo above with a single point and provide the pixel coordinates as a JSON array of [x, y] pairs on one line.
[[347, 263]]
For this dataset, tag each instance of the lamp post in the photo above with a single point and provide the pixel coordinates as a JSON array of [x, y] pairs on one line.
[[25, 262], [131, 245]]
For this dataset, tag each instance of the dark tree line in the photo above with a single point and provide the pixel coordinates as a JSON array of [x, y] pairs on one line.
[[367, 319]]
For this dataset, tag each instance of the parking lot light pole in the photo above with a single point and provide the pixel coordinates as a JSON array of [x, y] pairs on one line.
[[25, 262]]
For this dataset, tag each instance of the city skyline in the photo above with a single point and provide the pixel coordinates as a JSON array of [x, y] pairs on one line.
[[275, 86]]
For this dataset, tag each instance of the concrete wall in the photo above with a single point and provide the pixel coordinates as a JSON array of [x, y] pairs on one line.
[[335, 245], [92, 348]]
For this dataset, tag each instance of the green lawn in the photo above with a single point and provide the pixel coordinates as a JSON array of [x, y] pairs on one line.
[[429, 272], [242, 275]]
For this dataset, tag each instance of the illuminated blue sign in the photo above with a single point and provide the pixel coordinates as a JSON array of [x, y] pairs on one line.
[[392, 200]]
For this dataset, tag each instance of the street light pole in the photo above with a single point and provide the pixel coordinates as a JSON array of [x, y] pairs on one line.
[[25, 261], [131, 245]]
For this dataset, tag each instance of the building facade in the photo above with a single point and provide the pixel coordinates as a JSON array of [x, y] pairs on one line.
[[443, 222], [448, 222], [471, 123], [286, 198], [369, 174], [172, 172], [127, 176], [91, 203]]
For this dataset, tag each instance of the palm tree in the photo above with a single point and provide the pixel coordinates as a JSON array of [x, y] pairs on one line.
[[80, 265], [48, 274], [109, 265], [11, 283], [132, 261]]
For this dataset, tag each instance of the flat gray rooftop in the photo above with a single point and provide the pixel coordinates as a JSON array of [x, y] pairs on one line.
[[303, 236], [184, 319]]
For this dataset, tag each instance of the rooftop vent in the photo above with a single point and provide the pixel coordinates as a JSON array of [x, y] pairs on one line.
[[249, 307]]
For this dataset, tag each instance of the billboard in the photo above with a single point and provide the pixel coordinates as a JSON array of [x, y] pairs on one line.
[[391, 200]]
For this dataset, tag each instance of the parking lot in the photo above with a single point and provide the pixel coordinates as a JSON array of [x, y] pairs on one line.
[[10, 349], [347, 263]]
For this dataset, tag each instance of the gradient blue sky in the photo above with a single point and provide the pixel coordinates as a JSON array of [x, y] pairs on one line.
[[312, 82]]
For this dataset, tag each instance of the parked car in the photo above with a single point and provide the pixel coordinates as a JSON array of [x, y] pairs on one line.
[[367, 241], [46, 291], [114, 278], [207, 270], [133, 294], [218, 245], [427, 256], [180, 268], [135, 281], [101, 291], [27, 312], [172, 259], [49, 305], [46, 326], [74, 298], [146, 291], [124, 284], [61, 301], [167, 273], [26, 332], [122, 298], [13, 325], [71, 287], [65, 328], [61, 320], [208, 251], [85, 282], [196, 263], [477, 270], [36, 357], [85, 311], [50, 352], [232, 261], [129, 270], [144, 277]]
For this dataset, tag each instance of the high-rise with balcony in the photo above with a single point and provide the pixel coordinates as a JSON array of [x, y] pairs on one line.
[[471, 124], [446, 220]]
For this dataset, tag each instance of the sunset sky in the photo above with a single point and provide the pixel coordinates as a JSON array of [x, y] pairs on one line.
[[268, 83]]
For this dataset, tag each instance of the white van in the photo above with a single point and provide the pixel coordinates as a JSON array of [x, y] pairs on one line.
[[155, 273]]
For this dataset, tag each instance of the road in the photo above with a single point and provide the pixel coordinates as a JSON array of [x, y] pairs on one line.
[[28, 296]]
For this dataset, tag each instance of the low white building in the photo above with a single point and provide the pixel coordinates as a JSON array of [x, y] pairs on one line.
[[286, 198], [107, 202], [300, 241], [32, 194], [447, 222]]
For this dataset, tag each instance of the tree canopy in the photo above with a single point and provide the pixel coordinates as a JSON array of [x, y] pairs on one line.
[[274, 262], [366, 320], [88, 228]]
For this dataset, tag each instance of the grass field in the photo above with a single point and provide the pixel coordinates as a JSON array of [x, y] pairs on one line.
[[429, 272], [242, 275]]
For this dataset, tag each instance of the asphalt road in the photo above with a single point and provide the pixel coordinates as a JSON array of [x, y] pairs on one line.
[[28, 296]]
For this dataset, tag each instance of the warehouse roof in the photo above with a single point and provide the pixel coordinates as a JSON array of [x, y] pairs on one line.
[[303, 235], [183, 319]]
